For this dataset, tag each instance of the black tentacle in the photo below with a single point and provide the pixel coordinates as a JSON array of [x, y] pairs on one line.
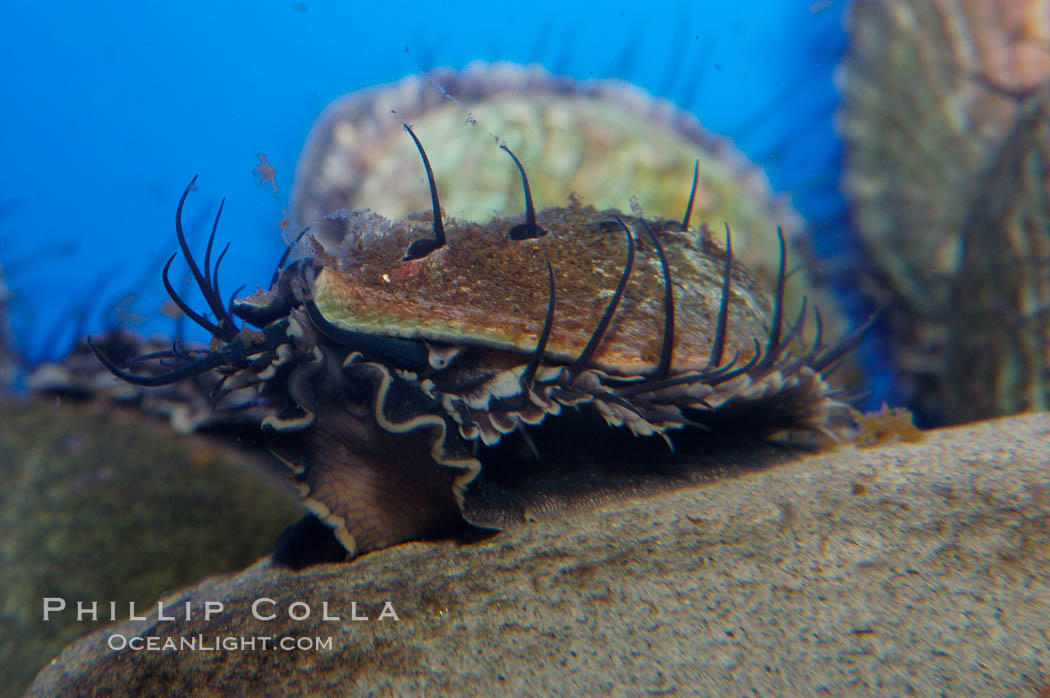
[[231, 353], [710, 378], [529, 229], [807, 359], [194, 368], [527, 439], [651, 386], [226, 329], [795, 330], [209, 280], [233, 297], [778, 299], [174, 353], [192, 314], [692, 197], [844, 345], [424, 246], [722, 378], [284, 257], [667, 347], [769, 360], [215, 279], [721, 325], [596, 337], [529, 373], [217, 393]]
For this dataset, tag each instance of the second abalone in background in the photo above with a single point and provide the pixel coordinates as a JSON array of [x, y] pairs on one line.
[[999, 332], [931, 92]]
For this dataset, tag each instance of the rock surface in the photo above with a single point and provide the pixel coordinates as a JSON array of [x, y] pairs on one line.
[[98, 503], [913, 568]]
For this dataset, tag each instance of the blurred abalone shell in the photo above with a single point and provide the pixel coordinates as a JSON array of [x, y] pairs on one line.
[[999, 330], [931, 91]]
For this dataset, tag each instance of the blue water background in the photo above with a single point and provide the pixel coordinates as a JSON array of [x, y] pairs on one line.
[[111, 108]]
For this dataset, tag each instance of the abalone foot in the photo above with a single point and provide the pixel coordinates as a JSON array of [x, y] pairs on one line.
[[370, 490]]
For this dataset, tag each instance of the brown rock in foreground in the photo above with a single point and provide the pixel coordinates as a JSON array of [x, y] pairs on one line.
[[98, 503], [912, 568]]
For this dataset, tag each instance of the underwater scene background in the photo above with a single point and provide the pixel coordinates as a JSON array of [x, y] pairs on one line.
[[899, 145]]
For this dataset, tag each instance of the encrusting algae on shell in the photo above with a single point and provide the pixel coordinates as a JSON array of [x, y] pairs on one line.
[[422, 366]]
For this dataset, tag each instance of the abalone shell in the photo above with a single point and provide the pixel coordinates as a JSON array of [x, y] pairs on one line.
[[935, 96]]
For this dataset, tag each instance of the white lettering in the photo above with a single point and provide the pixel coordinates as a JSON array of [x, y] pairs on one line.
[[160, 612], [131, 612], [213, 607], [53, 604], [305, 612], [353, 612], [324, 612], [82, 610], [388, 611], [259, 602]]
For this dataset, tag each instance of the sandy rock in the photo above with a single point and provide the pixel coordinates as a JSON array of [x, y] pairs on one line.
[[906, 569]]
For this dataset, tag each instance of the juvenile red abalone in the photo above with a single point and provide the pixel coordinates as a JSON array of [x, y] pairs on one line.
[[411, 371]]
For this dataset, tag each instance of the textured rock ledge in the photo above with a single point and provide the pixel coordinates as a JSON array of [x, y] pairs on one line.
[[912, 568]]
